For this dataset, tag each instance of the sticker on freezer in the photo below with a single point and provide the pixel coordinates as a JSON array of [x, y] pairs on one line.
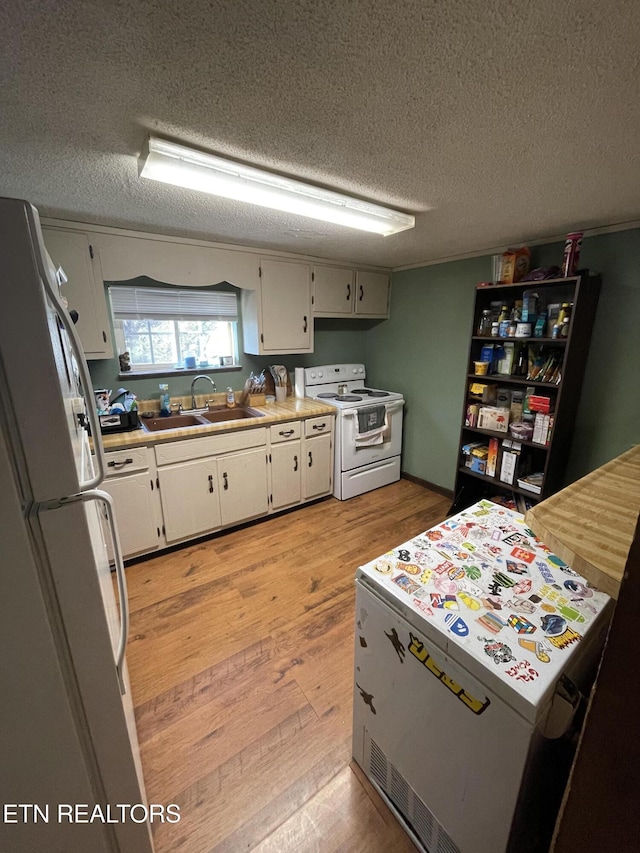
[[421, 653]]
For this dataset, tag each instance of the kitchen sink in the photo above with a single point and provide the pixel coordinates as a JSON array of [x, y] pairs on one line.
[[172, 422], [221, 414], [215, 415]]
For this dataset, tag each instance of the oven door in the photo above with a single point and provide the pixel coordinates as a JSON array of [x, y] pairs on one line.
[[355, 454]]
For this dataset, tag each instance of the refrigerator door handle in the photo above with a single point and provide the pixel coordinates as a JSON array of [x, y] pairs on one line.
[[105, 498], [76, 346]]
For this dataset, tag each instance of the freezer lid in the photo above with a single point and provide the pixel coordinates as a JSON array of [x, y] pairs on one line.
[[487, 592]]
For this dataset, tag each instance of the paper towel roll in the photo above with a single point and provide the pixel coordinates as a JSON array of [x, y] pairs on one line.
[[299, 382]]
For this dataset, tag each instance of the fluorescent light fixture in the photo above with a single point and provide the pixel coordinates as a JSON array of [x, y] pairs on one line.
[[175, 164]]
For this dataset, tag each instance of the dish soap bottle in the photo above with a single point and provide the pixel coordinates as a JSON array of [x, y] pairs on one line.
[[165, 402], [231, 400]]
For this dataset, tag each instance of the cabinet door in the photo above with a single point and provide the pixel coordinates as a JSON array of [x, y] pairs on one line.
[[286, 469], [190, 500], [372, 294], [84, 290], [317, 466], [242, 481], [136, 513], [287, 325], [332, 291]]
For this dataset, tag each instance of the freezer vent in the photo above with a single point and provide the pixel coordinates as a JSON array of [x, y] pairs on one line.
[[419, 819], [423, 820], [445, 844], [399, 790], [378, 765]]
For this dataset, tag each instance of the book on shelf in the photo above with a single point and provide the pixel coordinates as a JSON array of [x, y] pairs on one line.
[[532, 482]]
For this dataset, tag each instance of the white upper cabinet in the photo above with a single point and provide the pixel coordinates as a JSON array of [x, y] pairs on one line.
[[372, 294], [276, 318], [84, 290], [333, 289], [344, 292]]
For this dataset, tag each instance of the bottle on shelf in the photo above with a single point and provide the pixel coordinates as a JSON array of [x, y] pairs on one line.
[[521, 368], [503, 322], [484, 327]]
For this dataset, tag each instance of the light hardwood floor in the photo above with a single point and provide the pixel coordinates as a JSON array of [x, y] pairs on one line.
[[240, 657]]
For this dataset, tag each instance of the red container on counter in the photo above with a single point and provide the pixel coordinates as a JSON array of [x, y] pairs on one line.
[[573, 243]]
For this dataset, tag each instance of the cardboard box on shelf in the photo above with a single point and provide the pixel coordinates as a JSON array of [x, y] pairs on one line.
[[540, 403], [494, 418], [541, 428], [510, 456], [482, 393], [468, 448], [471, 416], [505, 358], [503, 398], [515, 408], [492, 458]]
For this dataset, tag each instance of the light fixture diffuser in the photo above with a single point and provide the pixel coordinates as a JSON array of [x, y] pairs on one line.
[[176, 164]]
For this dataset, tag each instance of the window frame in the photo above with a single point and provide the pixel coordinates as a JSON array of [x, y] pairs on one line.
[[182, 297]]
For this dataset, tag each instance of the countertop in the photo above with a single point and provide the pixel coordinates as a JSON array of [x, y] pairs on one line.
[[293, 408], [591, 523]]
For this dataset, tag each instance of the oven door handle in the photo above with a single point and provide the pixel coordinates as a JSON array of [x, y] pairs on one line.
[[390, 407]]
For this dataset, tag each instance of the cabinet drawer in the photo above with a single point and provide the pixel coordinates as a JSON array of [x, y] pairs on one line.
[[124, 461], [284, 432], [317, 426], [210, 445]]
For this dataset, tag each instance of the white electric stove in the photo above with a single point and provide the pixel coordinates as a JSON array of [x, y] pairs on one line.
[[368, 432]]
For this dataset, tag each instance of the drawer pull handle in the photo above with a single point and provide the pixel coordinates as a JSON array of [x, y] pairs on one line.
[[348, 293], [119, 464], [210, 478], [361, 292], [310, 459], [226, 481], [304, 329], [295, 463], [319, 426], [286, 432]]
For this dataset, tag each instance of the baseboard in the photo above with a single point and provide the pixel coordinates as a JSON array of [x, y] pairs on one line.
[[448, 493]]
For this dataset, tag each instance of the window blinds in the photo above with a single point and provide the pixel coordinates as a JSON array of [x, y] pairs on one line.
[[160, 303]]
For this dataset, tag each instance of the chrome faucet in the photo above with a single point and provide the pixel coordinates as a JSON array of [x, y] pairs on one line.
[[195, 379]]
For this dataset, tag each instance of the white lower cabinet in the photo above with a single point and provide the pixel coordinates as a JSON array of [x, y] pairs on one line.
[[131, 482], [190, 498], [136, 510], [286, 474], [317, 466], [180, 490], [242, 482]]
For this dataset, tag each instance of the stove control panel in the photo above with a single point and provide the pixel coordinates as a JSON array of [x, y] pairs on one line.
[[333, 373]]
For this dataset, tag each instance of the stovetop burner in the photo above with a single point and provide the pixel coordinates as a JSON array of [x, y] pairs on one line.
[[327, 395], [347, 398], [370, 392]]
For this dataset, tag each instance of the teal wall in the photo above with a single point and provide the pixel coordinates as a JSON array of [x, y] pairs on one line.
[[422, 351]]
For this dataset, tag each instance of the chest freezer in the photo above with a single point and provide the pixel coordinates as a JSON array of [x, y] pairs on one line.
[[473, 646]]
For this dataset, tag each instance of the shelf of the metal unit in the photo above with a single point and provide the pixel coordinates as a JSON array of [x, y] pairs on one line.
[[499, 484]]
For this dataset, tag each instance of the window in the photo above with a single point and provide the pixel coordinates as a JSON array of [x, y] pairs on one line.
[[163, 327]]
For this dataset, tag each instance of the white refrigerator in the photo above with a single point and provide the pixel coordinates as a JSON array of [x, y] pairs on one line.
[[475, 648], [69, 744]]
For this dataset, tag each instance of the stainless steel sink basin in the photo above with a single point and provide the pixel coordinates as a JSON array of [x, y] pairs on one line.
[[215, 415], [172, 422], [221, 414]]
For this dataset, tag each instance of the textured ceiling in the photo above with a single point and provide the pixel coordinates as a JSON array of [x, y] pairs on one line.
[[494, 122]]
